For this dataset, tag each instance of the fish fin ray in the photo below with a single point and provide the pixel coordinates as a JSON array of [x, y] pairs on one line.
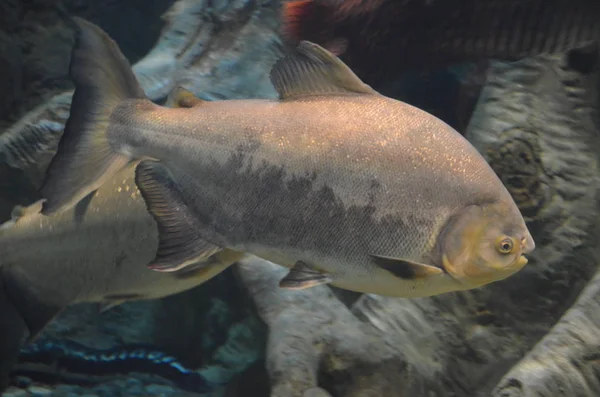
[[212, 267], [302, 276], [85, 159], [180, 241], [182, 98], [405, 269], [313, 70]]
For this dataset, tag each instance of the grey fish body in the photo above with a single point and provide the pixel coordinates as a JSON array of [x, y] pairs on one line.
[[344, 178], [49, 263], [96, 256], [334, 180]]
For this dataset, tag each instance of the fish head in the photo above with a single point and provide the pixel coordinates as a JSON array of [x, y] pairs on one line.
[[485, 243]]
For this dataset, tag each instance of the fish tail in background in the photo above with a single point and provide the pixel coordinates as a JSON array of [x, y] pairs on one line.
[[85, 159], [358, 7], [311, 20]]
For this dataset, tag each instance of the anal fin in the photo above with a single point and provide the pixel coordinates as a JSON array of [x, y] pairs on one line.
[[180, 241], [302, 276], [406, 269]]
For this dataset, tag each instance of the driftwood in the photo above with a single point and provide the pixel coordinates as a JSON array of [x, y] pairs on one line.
[[566, 361], [536, 124]]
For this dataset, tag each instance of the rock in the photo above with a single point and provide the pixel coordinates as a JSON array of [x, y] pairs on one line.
[[106, 390], [14, 392], [38, 391], [36, 40], [159, 390], [22, 382], [316, 392]]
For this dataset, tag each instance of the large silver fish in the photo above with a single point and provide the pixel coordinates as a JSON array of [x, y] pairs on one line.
[[337, 182]]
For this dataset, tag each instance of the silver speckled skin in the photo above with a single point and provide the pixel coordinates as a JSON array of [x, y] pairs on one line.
[[327, 179], [64, 259]]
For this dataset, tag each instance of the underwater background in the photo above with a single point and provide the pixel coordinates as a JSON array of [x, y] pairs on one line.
[[535, 334]]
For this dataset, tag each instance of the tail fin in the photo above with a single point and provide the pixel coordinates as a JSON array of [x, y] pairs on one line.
[[84, 160]]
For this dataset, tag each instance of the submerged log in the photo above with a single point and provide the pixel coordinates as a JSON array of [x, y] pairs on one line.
[[566, 361]]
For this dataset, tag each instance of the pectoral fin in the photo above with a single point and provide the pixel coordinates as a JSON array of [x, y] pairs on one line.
[[302, 276], [206, 270], [180, 241], [405, 269]]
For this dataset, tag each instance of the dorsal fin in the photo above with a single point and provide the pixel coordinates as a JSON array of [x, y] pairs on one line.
[[312, 70]]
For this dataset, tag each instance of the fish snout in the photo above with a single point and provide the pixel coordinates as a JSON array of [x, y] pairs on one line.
[[527, 244]]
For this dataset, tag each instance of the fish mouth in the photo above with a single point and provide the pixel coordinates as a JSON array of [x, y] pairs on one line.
[[527, 246], [480, 280], [522, 261]]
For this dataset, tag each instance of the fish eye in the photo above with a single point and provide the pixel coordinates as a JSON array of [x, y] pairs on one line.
[[505, 245]]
